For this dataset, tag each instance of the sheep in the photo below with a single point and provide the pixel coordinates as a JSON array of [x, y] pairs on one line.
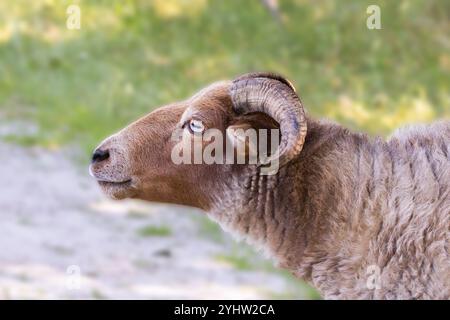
[[356, 217]]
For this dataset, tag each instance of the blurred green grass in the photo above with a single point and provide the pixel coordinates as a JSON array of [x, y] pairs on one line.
[[131, 56], [154, 231]]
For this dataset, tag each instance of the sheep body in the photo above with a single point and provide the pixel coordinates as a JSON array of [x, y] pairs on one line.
[[357, 218]]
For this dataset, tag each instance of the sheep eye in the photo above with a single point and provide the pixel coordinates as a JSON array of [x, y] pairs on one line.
[[196, 126]]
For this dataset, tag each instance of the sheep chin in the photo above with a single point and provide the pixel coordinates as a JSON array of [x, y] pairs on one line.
[[117, 190]]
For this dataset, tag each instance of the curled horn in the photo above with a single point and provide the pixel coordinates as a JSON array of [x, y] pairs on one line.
[[276, 97]]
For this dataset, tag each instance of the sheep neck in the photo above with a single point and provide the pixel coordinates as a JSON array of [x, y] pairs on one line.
[[302, 215]]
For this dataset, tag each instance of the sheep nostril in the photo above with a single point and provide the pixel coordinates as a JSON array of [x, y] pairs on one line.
[[100, 155]]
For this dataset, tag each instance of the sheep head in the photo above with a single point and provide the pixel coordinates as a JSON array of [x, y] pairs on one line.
[[137, 162]]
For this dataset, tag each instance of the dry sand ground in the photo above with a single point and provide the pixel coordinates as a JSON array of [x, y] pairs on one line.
[[60, 238]]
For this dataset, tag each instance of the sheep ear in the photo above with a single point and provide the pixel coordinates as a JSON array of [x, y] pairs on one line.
[[243, 138]]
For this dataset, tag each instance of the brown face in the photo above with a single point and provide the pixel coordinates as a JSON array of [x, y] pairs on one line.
[[136, 162]]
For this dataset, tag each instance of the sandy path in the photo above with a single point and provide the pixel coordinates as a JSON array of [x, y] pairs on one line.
[[60, 238]]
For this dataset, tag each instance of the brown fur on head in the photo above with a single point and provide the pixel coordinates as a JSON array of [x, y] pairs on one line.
[[137, 162], [140, 154]]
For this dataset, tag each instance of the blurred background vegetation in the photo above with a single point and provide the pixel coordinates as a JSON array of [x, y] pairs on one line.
[[130, 56]]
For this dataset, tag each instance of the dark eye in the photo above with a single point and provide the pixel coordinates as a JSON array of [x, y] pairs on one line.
[[196, 126]]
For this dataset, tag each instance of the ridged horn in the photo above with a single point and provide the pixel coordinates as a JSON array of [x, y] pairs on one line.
[[275, 96]]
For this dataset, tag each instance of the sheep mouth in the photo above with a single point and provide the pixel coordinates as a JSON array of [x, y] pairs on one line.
[[106, 183], [117, 189]]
